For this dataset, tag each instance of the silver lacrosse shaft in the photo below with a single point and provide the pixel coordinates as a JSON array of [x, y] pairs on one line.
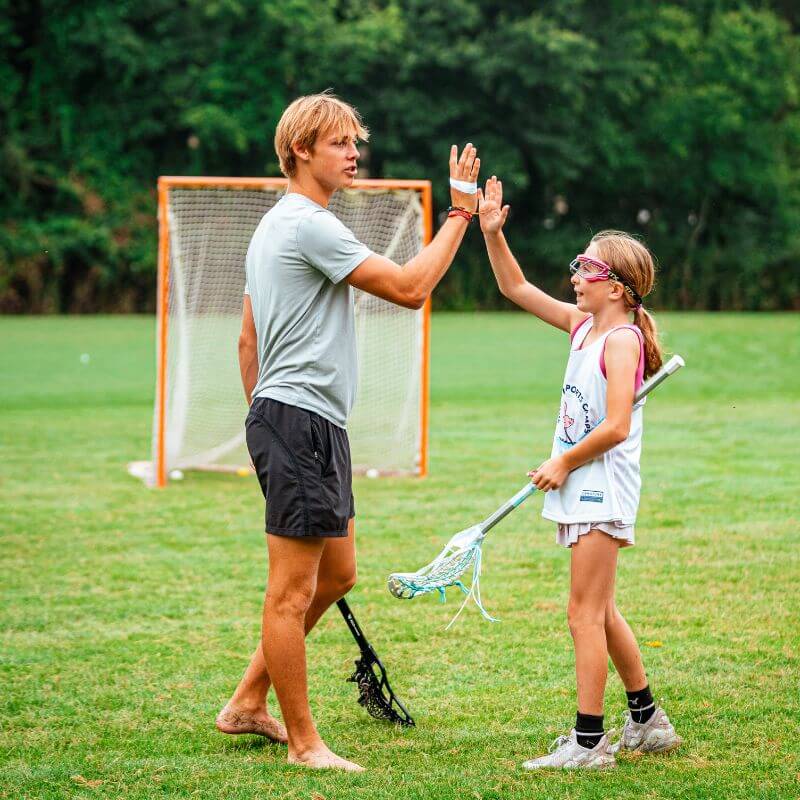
[[673, 365]]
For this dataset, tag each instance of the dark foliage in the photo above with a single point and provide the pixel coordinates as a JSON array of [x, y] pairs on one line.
[[676, 121]]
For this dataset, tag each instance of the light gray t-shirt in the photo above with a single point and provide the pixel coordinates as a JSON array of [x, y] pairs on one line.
[[302, 307]]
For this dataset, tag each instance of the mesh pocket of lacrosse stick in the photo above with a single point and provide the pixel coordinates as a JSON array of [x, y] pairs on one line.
[[461, 552], [376, 695]]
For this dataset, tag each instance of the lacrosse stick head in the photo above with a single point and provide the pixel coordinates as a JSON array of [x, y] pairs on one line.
[[375, 694], [445, 570]]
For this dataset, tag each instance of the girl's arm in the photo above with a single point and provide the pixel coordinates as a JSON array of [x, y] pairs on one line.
[[621, 359], [510, 280]]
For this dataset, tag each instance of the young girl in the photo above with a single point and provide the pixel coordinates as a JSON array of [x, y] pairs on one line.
[[592, 478]]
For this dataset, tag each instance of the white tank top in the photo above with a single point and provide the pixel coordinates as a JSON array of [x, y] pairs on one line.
[[607, 488]]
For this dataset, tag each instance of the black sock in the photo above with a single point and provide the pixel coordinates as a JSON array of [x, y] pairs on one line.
[[588, 729], [641, 705]]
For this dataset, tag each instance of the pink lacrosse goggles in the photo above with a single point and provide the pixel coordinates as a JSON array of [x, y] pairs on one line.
[[601, 272]]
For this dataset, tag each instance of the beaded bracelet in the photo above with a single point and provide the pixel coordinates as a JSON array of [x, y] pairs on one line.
[[457, 211]]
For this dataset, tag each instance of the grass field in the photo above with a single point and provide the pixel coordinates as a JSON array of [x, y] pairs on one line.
[[127, 614]]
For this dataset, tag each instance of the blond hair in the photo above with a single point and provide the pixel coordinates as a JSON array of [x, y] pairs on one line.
[[309, 117], [635, 265]]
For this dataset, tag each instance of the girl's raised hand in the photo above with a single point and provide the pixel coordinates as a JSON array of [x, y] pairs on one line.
[[491, 211]]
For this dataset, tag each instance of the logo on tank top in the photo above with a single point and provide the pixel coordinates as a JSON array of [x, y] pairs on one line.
[[591, 496], [566, 423], [570, 431]]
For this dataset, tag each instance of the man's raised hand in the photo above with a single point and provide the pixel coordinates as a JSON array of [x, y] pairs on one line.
[[492, 213], [464, 169]]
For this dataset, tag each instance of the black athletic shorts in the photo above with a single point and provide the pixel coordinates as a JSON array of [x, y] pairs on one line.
[[303, 465]]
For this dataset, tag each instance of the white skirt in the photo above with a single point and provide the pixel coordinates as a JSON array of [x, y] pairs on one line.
[[568, 532]]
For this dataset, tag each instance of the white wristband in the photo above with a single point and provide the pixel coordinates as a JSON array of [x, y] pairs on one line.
[[464, 186]]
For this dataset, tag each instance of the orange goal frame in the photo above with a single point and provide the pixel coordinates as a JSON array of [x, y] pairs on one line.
[[167, 182]]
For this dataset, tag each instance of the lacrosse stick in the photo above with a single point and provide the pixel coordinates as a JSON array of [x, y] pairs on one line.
[[464, 550], [374, 692]]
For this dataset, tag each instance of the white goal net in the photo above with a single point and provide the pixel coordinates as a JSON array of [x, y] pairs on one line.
[[205, 228]]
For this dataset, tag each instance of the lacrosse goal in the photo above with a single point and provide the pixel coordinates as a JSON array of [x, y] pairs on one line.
[[205, 226]]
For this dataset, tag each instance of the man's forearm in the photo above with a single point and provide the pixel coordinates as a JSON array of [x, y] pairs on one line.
[[248, 367], [427, 268]]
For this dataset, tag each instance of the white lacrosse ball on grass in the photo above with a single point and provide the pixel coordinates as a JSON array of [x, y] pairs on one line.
[[372, 473], [176, 475]]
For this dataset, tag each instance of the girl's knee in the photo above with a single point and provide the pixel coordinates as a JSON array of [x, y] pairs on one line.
[[584, 615]]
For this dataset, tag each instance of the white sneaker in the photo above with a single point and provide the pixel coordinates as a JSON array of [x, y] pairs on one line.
[[657, 735], [566, 753]]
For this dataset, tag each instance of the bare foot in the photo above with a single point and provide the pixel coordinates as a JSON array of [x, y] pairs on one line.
[[322, 758], [232, 721]]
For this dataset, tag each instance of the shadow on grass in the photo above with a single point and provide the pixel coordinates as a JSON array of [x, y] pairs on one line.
[[246, 741]]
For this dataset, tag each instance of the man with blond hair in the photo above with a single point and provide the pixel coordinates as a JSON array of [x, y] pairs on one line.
[[297, 355]]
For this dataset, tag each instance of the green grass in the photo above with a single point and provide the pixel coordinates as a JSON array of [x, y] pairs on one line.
[[127, 614]]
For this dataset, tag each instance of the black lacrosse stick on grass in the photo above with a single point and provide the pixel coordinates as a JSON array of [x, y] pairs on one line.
[[374, 691]]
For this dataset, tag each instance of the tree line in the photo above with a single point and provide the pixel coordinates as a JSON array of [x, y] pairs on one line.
[[676, 121]]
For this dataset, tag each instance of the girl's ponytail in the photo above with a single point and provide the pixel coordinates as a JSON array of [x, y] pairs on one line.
[[652, 347], [635, 265]]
